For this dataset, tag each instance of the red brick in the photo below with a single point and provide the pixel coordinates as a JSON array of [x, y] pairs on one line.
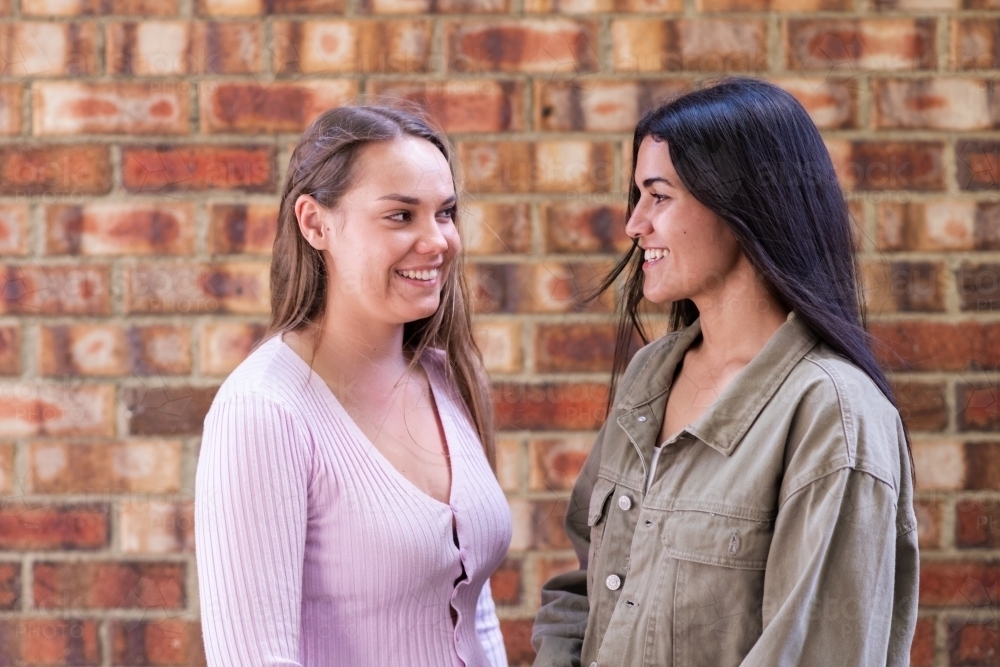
[[517, 641], [55, 290], [548, 287], [938, 346], [109, 585], [918, 5], [547, 566], [928, 523], [76, 8], [433, 6], [490, 228], [54, 170], [860, 44], [500, 343], [922, 405], [973, 643], [120, 228], [978, 407], [576, 227], [168, 410], [66, 527], [904, 286], [547, 520], [49, 49], [132, 466], [156, 526], [10, 586], [576, 166], [164, 48], [108, 108], [242, 228], [982, 462], [555, 463], [268, 107], [704, 45], [888, 165], [773, 5], [10, 350], [509, 457], [938, 225], [975, 43], [10, 108], [13, 229], [265, 7], [977, 523], [978, 164], [940, 465], [579, 347], [224, 345], [7, 468], [364, 46], [229, 287], [937, 104], [958, 583], [461, 106], [505, 583], [601, 6], [167, 641], [531, 46], [979, 286], [113, 349], [599, 106], [50, 641], [922, 650], [832, 104], [198, 168], [550, 406], [35, 408]]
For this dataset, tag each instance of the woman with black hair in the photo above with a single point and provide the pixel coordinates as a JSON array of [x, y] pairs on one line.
[[749, 499]]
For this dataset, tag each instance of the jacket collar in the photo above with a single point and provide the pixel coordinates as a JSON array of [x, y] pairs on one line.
[[727, 420]]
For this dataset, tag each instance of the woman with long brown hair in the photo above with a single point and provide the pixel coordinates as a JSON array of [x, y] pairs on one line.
[[346, 509]]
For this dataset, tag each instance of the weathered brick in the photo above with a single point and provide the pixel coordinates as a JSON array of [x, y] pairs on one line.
[[120, 228], [242, 228], [109, 585], [167, 641], [165, 48], [32, 408], [10, 350], [433, 6], [156, 526], [64, 527], [500, 343], [509, 459], [490, 228], [550, 406], [50, 641], [224, 345], [54, 170], [704, 45], [904, 286], [556, 462], [530, 46], [939, 465], [860, 44], [938, 225], [10, 587], [265, 7], [548, 566], [226, 287], [773, 5], [547, 520], [958, 583], [268, 107], [600, 6], [13, 229], [55, 290], [975, 43], [973, 643], [198, 168], [167, 410], [10, 108], [888, 165], [7, 467], [928, 513], [922, 649], [578, 347], [132, 466], [978, 164], [938, 104], [978, 407], [517, 640], [108, 108], [922, 405], [977, 523], [543, 166], [365, 46], [505, 582], [979, 286], [575, 227], [114, 349], [938, 346], [77, 8], [37, 48], [482, 105], [599, 106], [547, 287], [982, 464], [832, 104]]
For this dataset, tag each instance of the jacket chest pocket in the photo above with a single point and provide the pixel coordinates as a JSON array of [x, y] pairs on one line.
[[718, 598], [597, 517]]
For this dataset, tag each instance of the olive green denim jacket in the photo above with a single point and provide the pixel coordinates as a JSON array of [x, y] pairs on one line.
[[778, 529]]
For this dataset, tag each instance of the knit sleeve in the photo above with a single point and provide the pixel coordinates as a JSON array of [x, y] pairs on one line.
[[250, 531], [488, 628]]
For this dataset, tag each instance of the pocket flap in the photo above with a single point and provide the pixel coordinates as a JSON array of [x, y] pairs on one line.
[[603, 488], [716, 539]]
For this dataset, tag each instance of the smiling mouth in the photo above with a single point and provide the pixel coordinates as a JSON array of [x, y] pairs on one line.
[[426, 276]]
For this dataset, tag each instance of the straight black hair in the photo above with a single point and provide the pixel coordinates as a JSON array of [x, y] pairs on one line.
[[748, 151]]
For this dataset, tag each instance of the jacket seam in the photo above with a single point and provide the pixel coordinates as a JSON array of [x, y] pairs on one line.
[[845, 415]]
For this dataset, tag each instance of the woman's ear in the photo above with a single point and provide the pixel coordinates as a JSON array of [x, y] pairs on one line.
[[313, 221]]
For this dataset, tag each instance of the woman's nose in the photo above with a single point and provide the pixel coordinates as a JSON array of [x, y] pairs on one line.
[[638, 224], [432, 239]]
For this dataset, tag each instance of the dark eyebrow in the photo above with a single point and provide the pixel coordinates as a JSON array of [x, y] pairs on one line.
[[413, 201], [656, 179]]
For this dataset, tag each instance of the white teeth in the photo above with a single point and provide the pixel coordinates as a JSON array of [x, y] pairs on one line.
[[430, 274], [654, 253]]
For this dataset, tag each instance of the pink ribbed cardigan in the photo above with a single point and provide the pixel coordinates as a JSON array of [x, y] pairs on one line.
[[314, 551]]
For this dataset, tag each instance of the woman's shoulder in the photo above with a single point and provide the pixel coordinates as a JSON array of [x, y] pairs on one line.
[[267, 374]]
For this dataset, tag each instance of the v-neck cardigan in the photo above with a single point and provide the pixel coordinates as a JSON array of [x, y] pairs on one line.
[[314, 551]]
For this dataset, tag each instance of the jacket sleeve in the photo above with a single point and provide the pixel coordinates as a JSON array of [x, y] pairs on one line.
[[488, 628], [250, 529], [840, 577], [557, 635]]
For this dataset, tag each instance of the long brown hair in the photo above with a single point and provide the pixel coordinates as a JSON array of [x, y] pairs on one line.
[[323, 165]]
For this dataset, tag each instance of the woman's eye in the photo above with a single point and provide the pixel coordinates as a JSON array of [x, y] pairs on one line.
[[402, 216], [448, 213], [659, 198]]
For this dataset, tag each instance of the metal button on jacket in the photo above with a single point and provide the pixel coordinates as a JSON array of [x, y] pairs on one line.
[[641, 418], [613, 582], [625, 503]]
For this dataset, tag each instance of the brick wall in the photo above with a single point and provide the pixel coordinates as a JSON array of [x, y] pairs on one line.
[[143, 144]]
